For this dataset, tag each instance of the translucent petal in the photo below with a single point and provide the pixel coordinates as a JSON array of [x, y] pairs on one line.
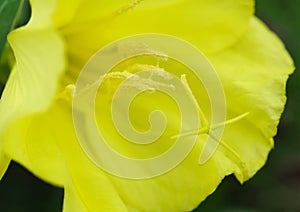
[[42, 12], [72, 202], [181, 189], [32, 84], [210, 25], [51, 151], [254, 74], [4, 162], [32, 143], [52, 13], [92, 187]]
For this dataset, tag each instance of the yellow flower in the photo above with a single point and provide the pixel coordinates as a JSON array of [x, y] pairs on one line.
[[36, 125]]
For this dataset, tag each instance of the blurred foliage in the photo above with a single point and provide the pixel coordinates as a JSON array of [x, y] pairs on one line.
[[275, 188], [20, 191], [9, 10], [15, 13]]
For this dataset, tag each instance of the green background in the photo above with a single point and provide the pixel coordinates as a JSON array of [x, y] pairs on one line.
[[275, 188]]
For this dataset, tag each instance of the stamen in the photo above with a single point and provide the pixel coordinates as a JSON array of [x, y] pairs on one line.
[[230, 121], [241, 162], [203, 119], [206, 128], [227, 147], [209, 131], [200, 131], [67, 93]]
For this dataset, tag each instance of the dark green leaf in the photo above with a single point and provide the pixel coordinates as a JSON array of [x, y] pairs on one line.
[[9, 11]]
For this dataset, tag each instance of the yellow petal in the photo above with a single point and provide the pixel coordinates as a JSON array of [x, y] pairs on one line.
[[66, 11], [72, 202], [41, 16], [40, 62], [181, 189], [210, 25], [32, 84], [32, 143], [93, 190], [254, 74], [4, 162], [52, 13]]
